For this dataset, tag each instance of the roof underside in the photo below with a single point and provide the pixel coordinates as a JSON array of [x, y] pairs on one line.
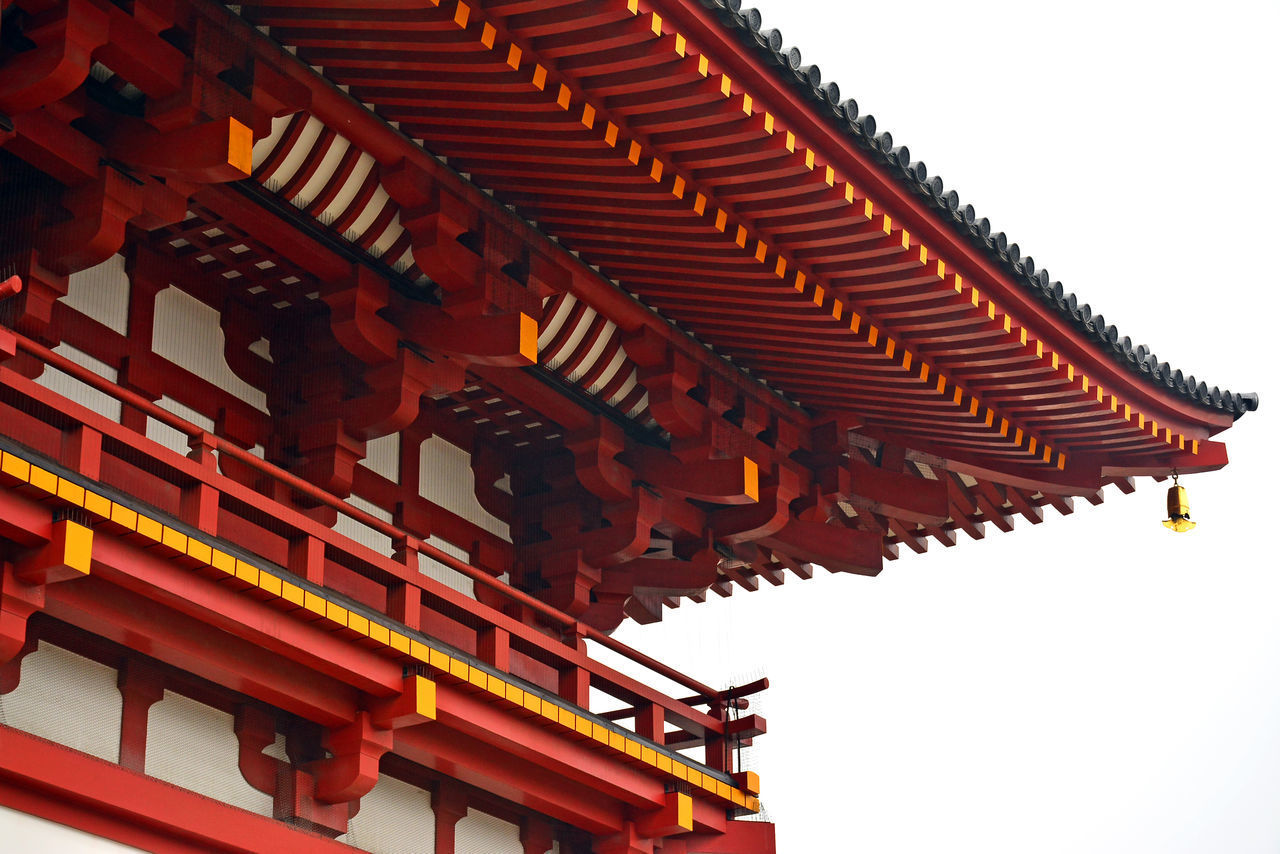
[[700, 194]]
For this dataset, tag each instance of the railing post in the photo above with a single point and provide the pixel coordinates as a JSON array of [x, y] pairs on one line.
[[493, 645], [651, 722], [575, 681], [82, 451], [306, 558], [717, 753]]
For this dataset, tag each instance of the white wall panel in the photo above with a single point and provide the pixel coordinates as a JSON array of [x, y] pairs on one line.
[[382, 455], [21, 833], [176, 440], [102, 292], [66, 698], [186, 332], [394, 818], [82, 393], [194, 746], [481, 833], [362, 533], [445, 477]]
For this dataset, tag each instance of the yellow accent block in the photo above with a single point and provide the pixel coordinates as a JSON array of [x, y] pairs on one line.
[[419, 651], [600, 734], [15, 467], [681, 45], [684, 811], [751, 782], [539, 77], [515, 695], [458, 669], [761, 251], [379, 634], [439, 660], [315, 604], [533, 703], [269, 584], [223, 562], [655, 23], [739, 799], [478, 678], [695, 776], [400, 643], [487, 35], [248, 573], [174, 539], [617, 741], [740, 237], [648, 756], [568, 719], [72, 493], [291, 593], [704, 66], [124, 516], [513, 57], [44, 480], [699, 204], [677, 187], [199, 552], [722, 219], [551, 712], [633, 748], [424, 697], [725, 85], [680, 770], [150, 528], [355, 622], [582, 725], [77, 547], [610, 134], [334, 612], [664, 763], [462, 15], [655, 171], [240, 147]]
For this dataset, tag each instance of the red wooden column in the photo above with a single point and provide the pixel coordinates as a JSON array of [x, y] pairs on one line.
[[449, 806], [141, 686]]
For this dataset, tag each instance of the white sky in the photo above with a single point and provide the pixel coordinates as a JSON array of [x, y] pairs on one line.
[[1096, 683]]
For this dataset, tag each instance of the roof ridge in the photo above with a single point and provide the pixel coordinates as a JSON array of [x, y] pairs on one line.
[[843, 114]]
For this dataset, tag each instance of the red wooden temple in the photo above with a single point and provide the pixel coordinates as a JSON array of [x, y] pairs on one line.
[[364, 363]]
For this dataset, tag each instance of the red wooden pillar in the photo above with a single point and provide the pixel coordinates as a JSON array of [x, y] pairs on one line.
[[449, 806], [141, 686], [536, 836]]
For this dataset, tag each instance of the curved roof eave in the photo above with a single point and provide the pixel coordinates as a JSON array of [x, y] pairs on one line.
[[843, 114]]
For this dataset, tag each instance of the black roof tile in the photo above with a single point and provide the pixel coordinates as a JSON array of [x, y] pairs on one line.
[[807, 79]]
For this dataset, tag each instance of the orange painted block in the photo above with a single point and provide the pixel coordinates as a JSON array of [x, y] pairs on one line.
[[72, 493], [201, 553], [45, 481], [357, 623], [149, 528], [458, 669], [270, 584], [439, 660], [98, 505], [379, 633], [419, 651], [14, 469], [400, 643]]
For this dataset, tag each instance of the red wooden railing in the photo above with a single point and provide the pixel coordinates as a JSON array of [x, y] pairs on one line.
[[564, 654]]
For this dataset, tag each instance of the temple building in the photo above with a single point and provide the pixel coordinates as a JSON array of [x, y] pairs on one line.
[[364, 364]]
